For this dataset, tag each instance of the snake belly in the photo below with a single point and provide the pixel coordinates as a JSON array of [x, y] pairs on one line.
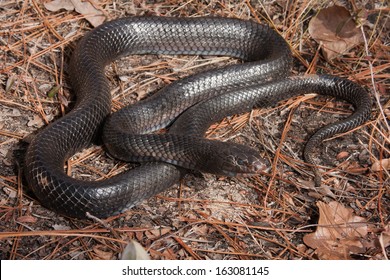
[[262, 81]]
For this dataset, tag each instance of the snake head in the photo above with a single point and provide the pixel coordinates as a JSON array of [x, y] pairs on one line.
[[230, 159]]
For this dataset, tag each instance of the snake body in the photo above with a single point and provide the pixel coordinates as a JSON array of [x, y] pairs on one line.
[[188, 106]]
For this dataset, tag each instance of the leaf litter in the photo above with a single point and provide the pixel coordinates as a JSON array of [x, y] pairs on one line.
[[93, 15], [339, 234], [335, 30]]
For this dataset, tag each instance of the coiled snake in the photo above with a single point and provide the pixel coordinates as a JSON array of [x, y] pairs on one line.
[[262, 81]]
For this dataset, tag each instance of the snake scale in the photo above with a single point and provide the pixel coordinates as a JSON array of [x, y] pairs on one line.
[[187, 107]]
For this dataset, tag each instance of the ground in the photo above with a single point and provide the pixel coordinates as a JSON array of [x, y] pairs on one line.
[[203, 216]]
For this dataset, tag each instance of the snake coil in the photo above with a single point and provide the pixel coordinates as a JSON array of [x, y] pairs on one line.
[[197, 100]]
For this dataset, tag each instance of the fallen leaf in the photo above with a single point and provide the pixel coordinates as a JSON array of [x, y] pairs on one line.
[[61, 227], [10, 82], [27, 219], [156, 233], [139, 235], [169, 254], [93, 15], [10, 192], [3, 152], [302, 248], [101, 254], [57, 5], [12, 113], [384, 238], [381, 165], [342, 154], [63, 100], [335, 30], [201, 230], [318, 192], [134, 251], [36, 121], [339, 232]]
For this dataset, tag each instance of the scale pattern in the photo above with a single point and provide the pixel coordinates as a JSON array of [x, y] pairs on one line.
[[262, 81]]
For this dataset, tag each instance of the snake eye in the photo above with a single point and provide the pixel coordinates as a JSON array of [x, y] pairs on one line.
[[240, 162]]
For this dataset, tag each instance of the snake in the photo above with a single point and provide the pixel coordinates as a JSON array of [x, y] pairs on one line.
[[165, 133]]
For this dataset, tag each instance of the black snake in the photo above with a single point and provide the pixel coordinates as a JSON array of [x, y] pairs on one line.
[[262, 81]]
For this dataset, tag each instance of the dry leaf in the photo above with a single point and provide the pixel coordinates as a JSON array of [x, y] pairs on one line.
[[380, 165], [139, 235], [10, 82], [318, 192], [36, 121], [63, 100], [61, 227], [134, 251], [11, 113], [57, 5], [10, 192], [27, 219], [101, 254], [93, 15], [156, 233], [384, 238], [335, 30], [342, 155], [3, 151], [169, 254], [339, 232]]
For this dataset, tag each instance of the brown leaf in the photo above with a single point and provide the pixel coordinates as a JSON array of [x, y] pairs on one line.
[[139, 235], [342, 155], [335, 30], [384, 238], [57, 5], [156, 233], [10, 192], [318, 192], [93, 15], [101, 254], [61, 227], [169, 254], [36, 121], [339, 232], [134, 251], [10, 82], [27, 219], [381, 165]]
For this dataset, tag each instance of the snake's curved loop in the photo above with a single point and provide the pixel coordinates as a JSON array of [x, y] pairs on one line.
[[260, 81]]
